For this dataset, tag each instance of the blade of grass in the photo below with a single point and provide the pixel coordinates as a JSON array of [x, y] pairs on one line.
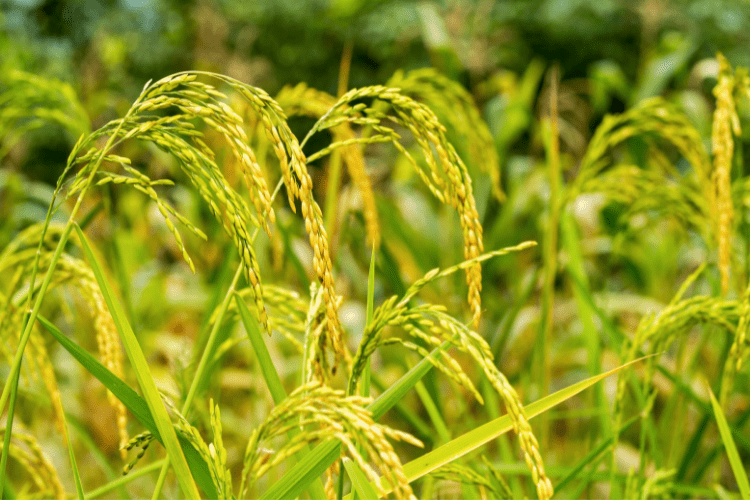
[[133, 402], [360, 484], [267, 368], [271, 376], [480, 436], [365, 387], [550, 249], [143, 374], [572, 245], [444, 435], [370, 308], [734, 457], [421, 428], [119, 482], [74, 465]]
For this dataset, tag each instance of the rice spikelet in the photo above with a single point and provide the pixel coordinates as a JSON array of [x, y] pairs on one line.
[[726, 124]]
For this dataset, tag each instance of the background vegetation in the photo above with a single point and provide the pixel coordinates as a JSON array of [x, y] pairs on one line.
[[614, 134]]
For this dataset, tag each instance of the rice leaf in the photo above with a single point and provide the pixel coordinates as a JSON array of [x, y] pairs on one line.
[[143, 373], [482, 435], [267, 368], [359, 481], [133, 402], [734, 457]]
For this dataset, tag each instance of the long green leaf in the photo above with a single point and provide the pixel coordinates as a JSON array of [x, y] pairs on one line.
[[734, 457], [482, 435], [143, 374], [134, 403], [267, 368], [361, 485], [271, 376]]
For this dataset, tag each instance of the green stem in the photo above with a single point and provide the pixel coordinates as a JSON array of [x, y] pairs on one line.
[[8, 432], [200, 372], [125, 479]]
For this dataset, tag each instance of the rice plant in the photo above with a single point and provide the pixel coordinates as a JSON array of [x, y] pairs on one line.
[[297, 381]]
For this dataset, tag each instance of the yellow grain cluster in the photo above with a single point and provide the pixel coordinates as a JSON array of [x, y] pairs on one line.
[[456, 107], [298, 183], [25, 449], [726, 124], [302, 100], [446, 175], [325, 414]]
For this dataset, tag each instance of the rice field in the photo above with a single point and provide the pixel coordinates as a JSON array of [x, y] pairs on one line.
[[232, 294]]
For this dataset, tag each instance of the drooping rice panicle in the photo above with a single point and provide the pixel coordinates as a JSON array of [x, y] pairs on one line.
[[433, 326], [325, 414], [655, 118], [457, 109], [726, 124], [303, 100], [446, 175]]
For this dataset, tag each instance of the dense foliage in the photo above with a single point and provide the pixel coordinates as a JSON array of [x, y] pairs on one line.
[[285, 249]]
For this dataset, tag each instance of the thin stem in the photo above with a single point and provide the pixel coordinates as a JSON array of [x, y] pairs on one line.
[[200, 371], [334, 169], [8, 432], [550, 252], [126, 479]]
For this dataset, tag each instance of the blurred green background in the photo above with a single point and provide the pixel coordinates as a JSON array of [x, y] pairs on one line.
[[613, 53]]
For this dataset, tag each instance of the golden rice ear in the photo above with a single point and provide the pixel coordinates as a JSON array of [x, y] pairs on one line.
[[455, 105], [325, 414], [445, 174], [302, 100], [726, 124]]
